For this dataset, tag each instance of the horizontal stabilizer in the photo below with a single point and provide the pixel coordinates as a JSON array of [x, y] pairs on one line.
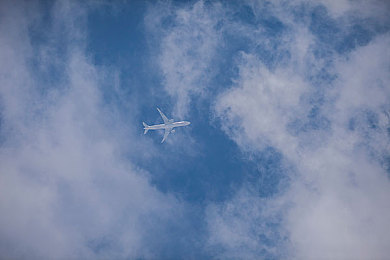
[[146, 127]]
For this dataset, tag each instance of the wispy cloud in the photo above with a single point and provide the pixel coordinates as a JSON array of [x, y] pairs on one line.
[[307, 80], [189, 39], [67, 191], [330, 127]]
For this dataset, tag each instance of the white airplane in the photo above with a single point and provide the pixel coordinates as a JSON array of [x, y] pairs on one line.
[[168, 125]]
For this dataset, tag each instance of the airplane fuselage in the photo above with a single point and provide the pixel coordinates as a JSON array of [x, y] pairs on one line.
[[168, 125]]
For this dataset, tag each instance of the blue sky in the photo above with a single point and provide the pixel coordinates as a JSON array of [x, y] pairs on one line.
[[287, 154]]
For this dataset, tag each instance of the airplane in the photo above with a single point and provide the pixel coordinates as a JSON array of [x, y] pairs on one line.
[[168, 125]]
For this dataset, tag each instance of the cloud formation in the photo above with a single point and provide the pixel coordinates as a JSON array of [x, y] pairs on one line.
[[306, 80], [331, 129], [67, 191], [189, 39]]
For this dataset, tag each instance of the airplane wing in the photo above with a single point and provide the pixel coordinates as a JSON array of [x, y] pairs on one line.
[[166, 133], [166, 121]]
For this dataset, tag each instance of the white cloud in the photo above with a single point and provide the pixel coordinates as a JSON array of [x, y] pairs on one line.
[[364, 77], [66, 190], [376, 8], [188, 46], [264, 103], [336, 206], [246, 227]]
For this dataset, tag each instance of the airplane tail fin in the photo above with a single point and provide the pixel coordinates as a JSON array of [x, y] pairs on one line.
[[145, 127]]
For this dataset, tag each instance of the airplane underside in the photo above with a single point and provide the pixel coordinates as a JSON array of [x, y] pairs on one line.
[[168, 125]]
